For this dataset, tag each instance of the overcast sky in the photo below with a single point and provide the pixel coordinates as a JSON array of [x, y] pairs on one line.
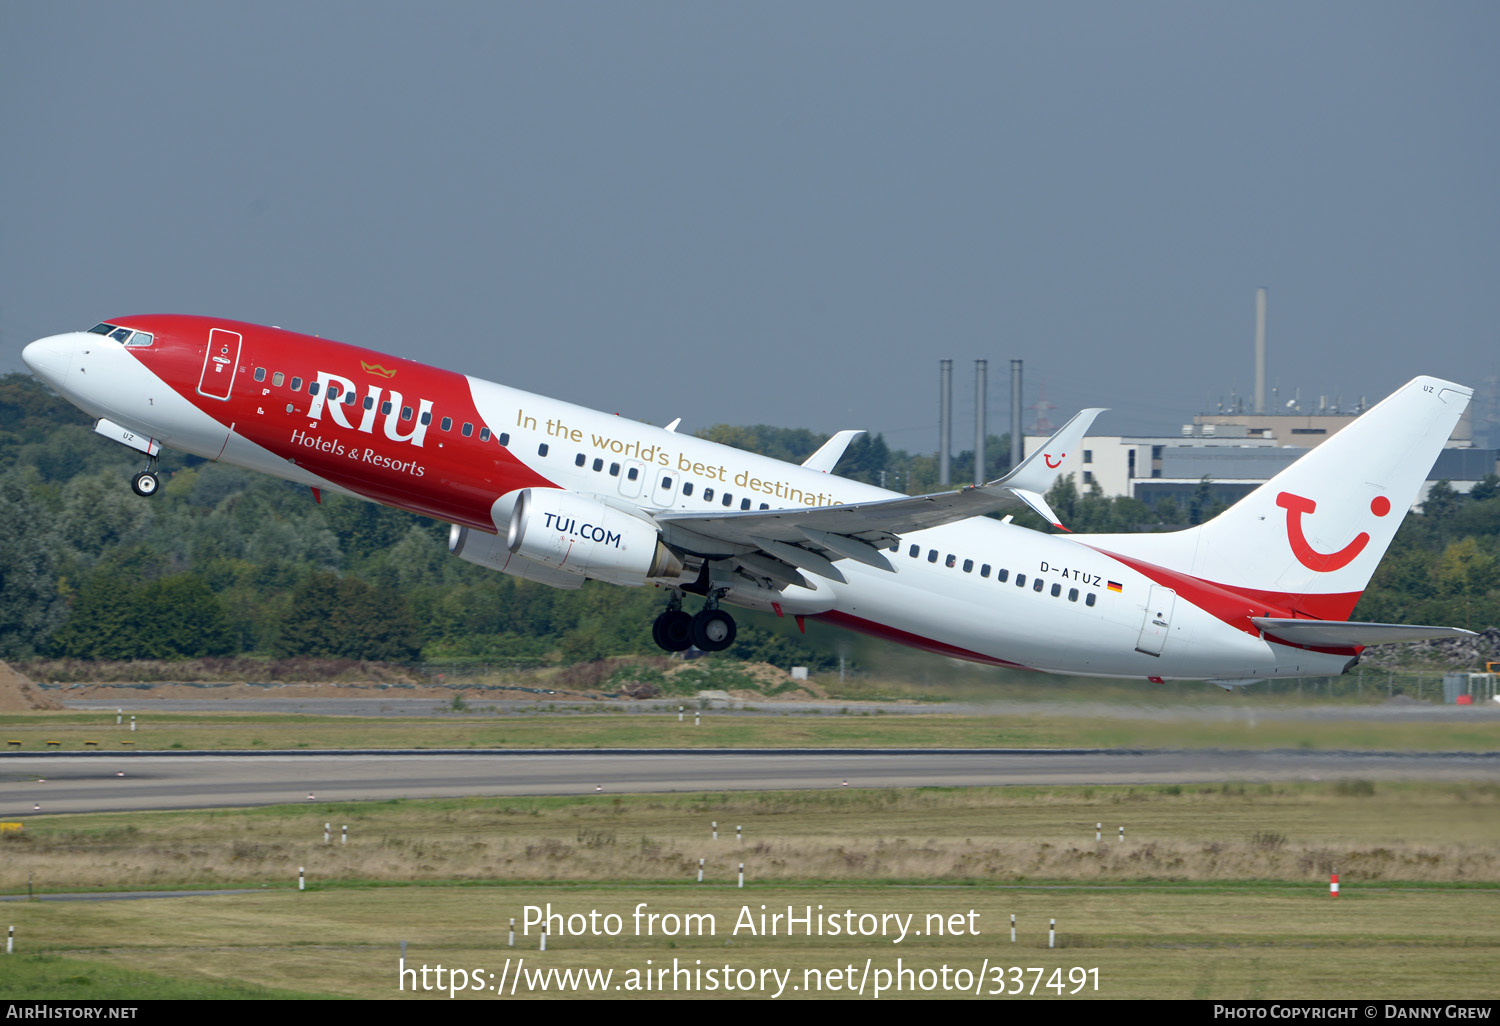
[[776, 212]]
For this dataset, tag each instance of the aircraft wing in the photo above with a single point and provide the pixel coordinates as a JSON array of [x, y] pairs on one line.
[[811, 538], [1340, 633]]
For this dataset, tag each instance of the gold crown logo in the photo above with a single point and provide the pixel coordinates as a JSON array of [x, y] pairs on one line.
[[375, 368]]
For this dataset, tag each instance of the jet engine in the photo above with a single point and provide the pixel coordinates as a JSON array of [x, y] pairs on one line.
[[578, 535]]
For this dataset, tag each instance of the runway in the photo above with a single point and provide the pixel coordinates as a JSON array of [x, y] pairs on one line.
[[116, 782]]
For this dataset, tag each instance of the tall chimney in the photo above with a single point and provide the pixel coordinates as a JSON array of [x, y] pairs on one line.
[[980, 398], [1260, 350], [1015, 414], [945, 420]]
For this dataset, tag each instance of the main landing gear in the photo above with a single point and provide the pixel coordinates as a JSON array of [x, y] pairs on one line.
[[712, 630], [146, 483]]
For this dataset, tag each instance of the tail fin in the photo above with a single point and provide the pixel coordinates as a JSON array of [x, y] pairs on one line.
[[1310, 538]]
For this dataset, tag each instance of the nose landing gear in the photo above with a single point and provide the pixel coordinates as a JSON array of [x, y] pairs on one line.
[[146, 483], [712, 630]]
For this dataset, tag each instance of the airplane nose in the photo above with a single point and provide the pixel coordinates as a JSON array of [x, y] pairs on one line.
[[49, 358]]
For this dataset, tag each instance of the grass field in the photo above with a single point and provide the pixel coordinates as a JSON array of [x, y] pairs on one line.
[[1041, 729], [1298, 832], [1278, 942], [1217, 892]]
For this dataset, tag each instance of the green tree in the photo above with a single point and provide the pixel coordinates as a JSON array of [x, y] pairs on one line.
[[345, 617], [1441, 502], [30, 607]]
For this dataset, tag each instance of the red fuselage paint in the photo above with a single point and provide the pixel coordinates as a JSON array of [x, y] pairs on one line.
[[447, 476]]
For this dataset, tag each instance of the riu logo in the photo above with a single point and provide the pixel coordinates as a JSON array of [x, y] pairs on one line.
[[371, 407], [1323, 562]]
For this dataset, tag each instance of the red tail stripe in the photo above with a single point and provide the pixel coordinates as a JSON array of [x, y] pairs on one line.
[[1235, 606]]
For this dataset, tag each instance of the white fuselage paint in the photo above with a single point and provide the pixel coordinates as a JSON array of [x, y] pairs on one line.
[[929, 600]]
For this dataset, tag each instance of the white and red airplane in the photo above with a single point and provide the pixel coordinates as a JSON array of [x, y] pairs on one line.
[[556, 493]]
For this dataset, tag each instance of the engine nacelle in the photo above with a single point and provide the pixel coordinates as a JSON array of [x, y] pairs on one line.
[[578, 535], [489, 551]]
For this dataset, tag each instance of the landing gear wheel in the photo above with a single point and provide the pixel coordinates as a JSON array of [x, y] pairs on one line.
[[673, 631], [145, 483], [713, 630]]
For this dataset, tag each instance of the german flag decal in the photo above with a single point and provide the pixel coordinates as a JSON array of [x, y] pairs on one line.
[[1116, 586]]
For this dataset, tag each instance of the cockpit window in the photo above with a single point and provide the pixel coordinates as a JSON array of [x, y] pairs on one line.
[[124, 336]]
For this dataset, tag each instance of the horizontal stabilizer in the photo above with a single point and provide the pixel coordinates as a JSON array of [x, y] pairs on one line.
[[1341, 632]]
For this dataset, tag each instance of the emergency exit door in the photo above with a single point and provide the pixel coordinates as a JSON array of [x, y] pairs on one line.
[[1157, 621]]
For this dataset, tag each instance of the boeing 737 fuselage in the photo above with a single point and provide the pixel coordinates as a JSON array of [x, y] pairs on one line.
[[557, 493]]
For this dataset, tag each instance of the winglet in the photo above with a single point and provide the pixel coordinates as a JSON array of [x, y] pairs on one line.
[[1038, 471], [1039, 504], [673, 426], [827, 456]]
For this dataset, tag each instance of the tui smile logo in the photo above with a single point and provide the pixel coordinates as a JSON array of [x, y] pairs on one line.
[[375, 368], [1047, 459], [1323, 562]]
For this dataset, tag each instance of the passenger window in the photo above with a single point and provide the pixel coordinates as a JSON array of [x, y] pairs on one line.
[[369, 400], [765, 505], [932, 555], [484, 434], [579, 460], [297, 386], [1038, 584], [333, 390], [260, 374], [385, 407], [614, 470], [505, 438], [915, 551], [633, 473], [312, 389], [984, 571], [951, 561], [278, 378], [687, 487], [348, 398], [708, 495], [468, 429], [744, 504], [1056, 590], [1090, 600], [1072, 594], [446, 424], [968, 566], [541, 450], [1001, 575], [666, 483], [598, 465], [726, 500], [1020, 580], [427, 417], [406, 413]]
